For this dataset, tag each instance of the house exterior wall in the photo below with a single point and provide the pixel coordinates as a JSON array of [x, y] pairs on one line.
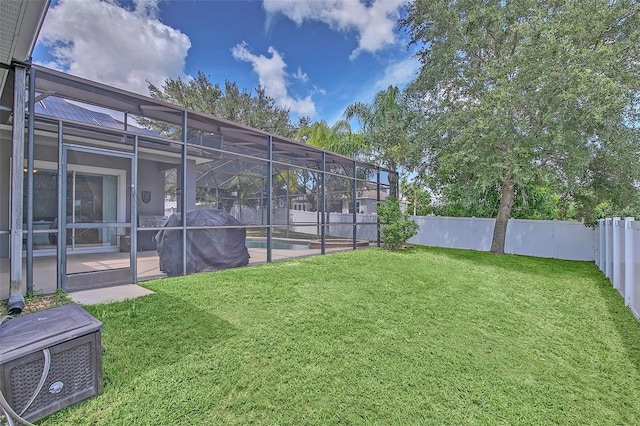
[[151, 178]]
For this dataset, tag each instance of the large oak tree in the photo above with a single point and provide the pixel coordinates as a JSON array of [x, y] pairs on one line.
[[257, 110], [529, 93]]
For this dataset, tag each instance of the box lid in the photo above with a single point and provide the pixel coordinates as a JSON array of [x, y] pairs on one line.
[[34, 332]]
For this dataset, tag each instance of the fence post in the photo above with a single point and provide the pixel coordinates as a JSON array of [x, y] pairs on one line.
[[608, 245], [615, 253], [474, 233], [554, 239], [628, 261], [601, 242]]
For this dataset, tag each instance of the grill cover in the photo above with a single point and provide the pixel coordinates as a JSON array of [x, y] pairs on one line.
[[207, 249]]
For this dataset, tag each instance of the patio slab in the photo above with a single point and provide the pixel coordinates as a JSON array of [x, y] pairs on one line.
[[109, 294]]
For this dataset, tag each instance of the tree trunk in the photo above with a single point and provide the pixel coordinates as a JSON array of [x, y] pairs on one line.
[[502, 220], [393, 185]]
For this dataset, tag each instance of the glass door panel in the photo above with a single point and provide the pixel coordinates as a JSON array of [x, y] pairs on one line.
[[97, 217], [45, 208], [91, 198]]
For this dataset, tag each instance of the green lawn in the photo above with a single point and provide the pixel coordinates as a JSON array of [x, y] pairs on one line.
[[419, 336]]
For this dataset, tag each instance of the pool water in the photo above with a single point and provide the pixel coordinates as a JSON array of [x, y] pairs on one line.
[[276, 245]]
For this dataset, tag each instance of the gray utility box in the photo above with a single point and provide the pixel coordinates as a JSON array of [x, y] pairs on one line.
[[73, 338]]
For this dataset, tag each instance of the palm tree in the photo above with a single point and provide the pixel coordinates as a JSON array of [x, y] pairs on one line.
[[339, 138], [385, 129]]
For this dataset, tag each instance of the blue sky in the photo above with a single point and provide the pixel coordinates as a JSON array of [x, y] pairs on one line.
[[314, 57]]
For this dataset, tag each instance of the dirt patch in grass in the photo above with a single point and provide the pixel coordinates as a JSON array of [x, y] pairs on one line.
[[38, 302]]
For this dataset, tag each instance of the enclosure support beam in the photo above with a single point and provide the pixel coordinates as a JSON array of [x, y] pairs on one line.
[[183, 193], [30, 126], [377, 204], [133, 220], [354, 195], [323, 195], [269, 195], [62, 213], [16, 298]]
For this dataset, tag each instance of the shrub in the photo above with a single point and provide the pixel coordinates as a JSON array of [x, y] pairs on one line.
[[397, 226]]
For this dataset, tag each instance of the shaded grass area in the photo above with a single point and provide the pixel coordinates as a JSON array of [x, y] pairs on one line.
[[422, 335]]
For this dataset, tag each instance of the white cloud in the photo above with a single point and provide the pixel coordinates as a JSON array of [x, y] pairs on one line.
[[105, 42], [399, 73], [373, 23], [320, 90], [302, 76], [273, 77]]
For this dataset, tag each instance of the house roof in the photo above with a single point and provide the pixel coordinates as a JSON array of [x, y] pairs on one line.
[[20, 23]]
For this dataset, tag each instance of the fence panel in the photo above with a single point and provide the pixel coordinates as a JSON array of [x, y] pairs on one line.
[[370, 231], [619, 249], [531, 238], [454, 232], [427, 231], [632, 268], [618, 252], [575, 241], [542, 238]]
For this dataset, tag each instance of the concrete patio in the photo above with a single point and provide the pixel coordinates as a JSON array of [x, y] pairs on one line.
[[104, 277]]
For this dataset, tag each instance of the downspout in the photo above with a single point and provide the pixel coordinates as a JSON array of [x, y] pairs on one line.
[[30, 132], [16, 298]]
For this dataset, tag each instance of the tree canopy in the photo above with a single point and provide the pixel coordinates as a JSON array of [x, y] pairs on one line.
[[241, 106], [339, 138], [529, 94]]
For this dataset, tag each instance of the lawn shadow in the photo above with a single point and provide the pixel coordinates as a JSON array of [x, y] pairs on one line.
[[546, 267], [140, 334], [626, 325]]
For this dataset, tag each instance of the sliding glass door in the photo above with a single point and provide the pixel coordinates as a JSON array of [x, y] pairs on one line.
[[95, 219]]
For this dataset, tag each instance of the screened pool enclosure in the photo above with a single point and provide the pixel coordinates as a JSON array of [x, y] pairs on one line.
[[93, 186]]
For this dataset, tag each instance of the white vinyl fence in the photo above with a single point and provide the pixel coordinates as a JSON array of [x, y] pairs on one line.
[[541, 238], [338, 224], [618, 257]]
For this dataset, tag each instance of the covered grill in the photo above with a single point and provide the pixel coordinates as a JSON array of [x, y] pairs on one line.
[[207, 249]]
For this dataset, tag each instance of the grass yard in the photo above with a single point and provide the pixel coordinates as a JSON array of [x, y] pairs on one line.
[[419, 336]]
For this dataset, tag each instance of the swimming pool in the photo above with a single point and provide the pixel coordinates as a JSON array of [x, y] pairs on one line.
[[279, 245]]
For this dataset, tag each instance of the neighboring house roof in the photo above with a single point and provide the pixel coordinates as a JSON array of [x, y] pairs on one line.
[[59, 108]]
